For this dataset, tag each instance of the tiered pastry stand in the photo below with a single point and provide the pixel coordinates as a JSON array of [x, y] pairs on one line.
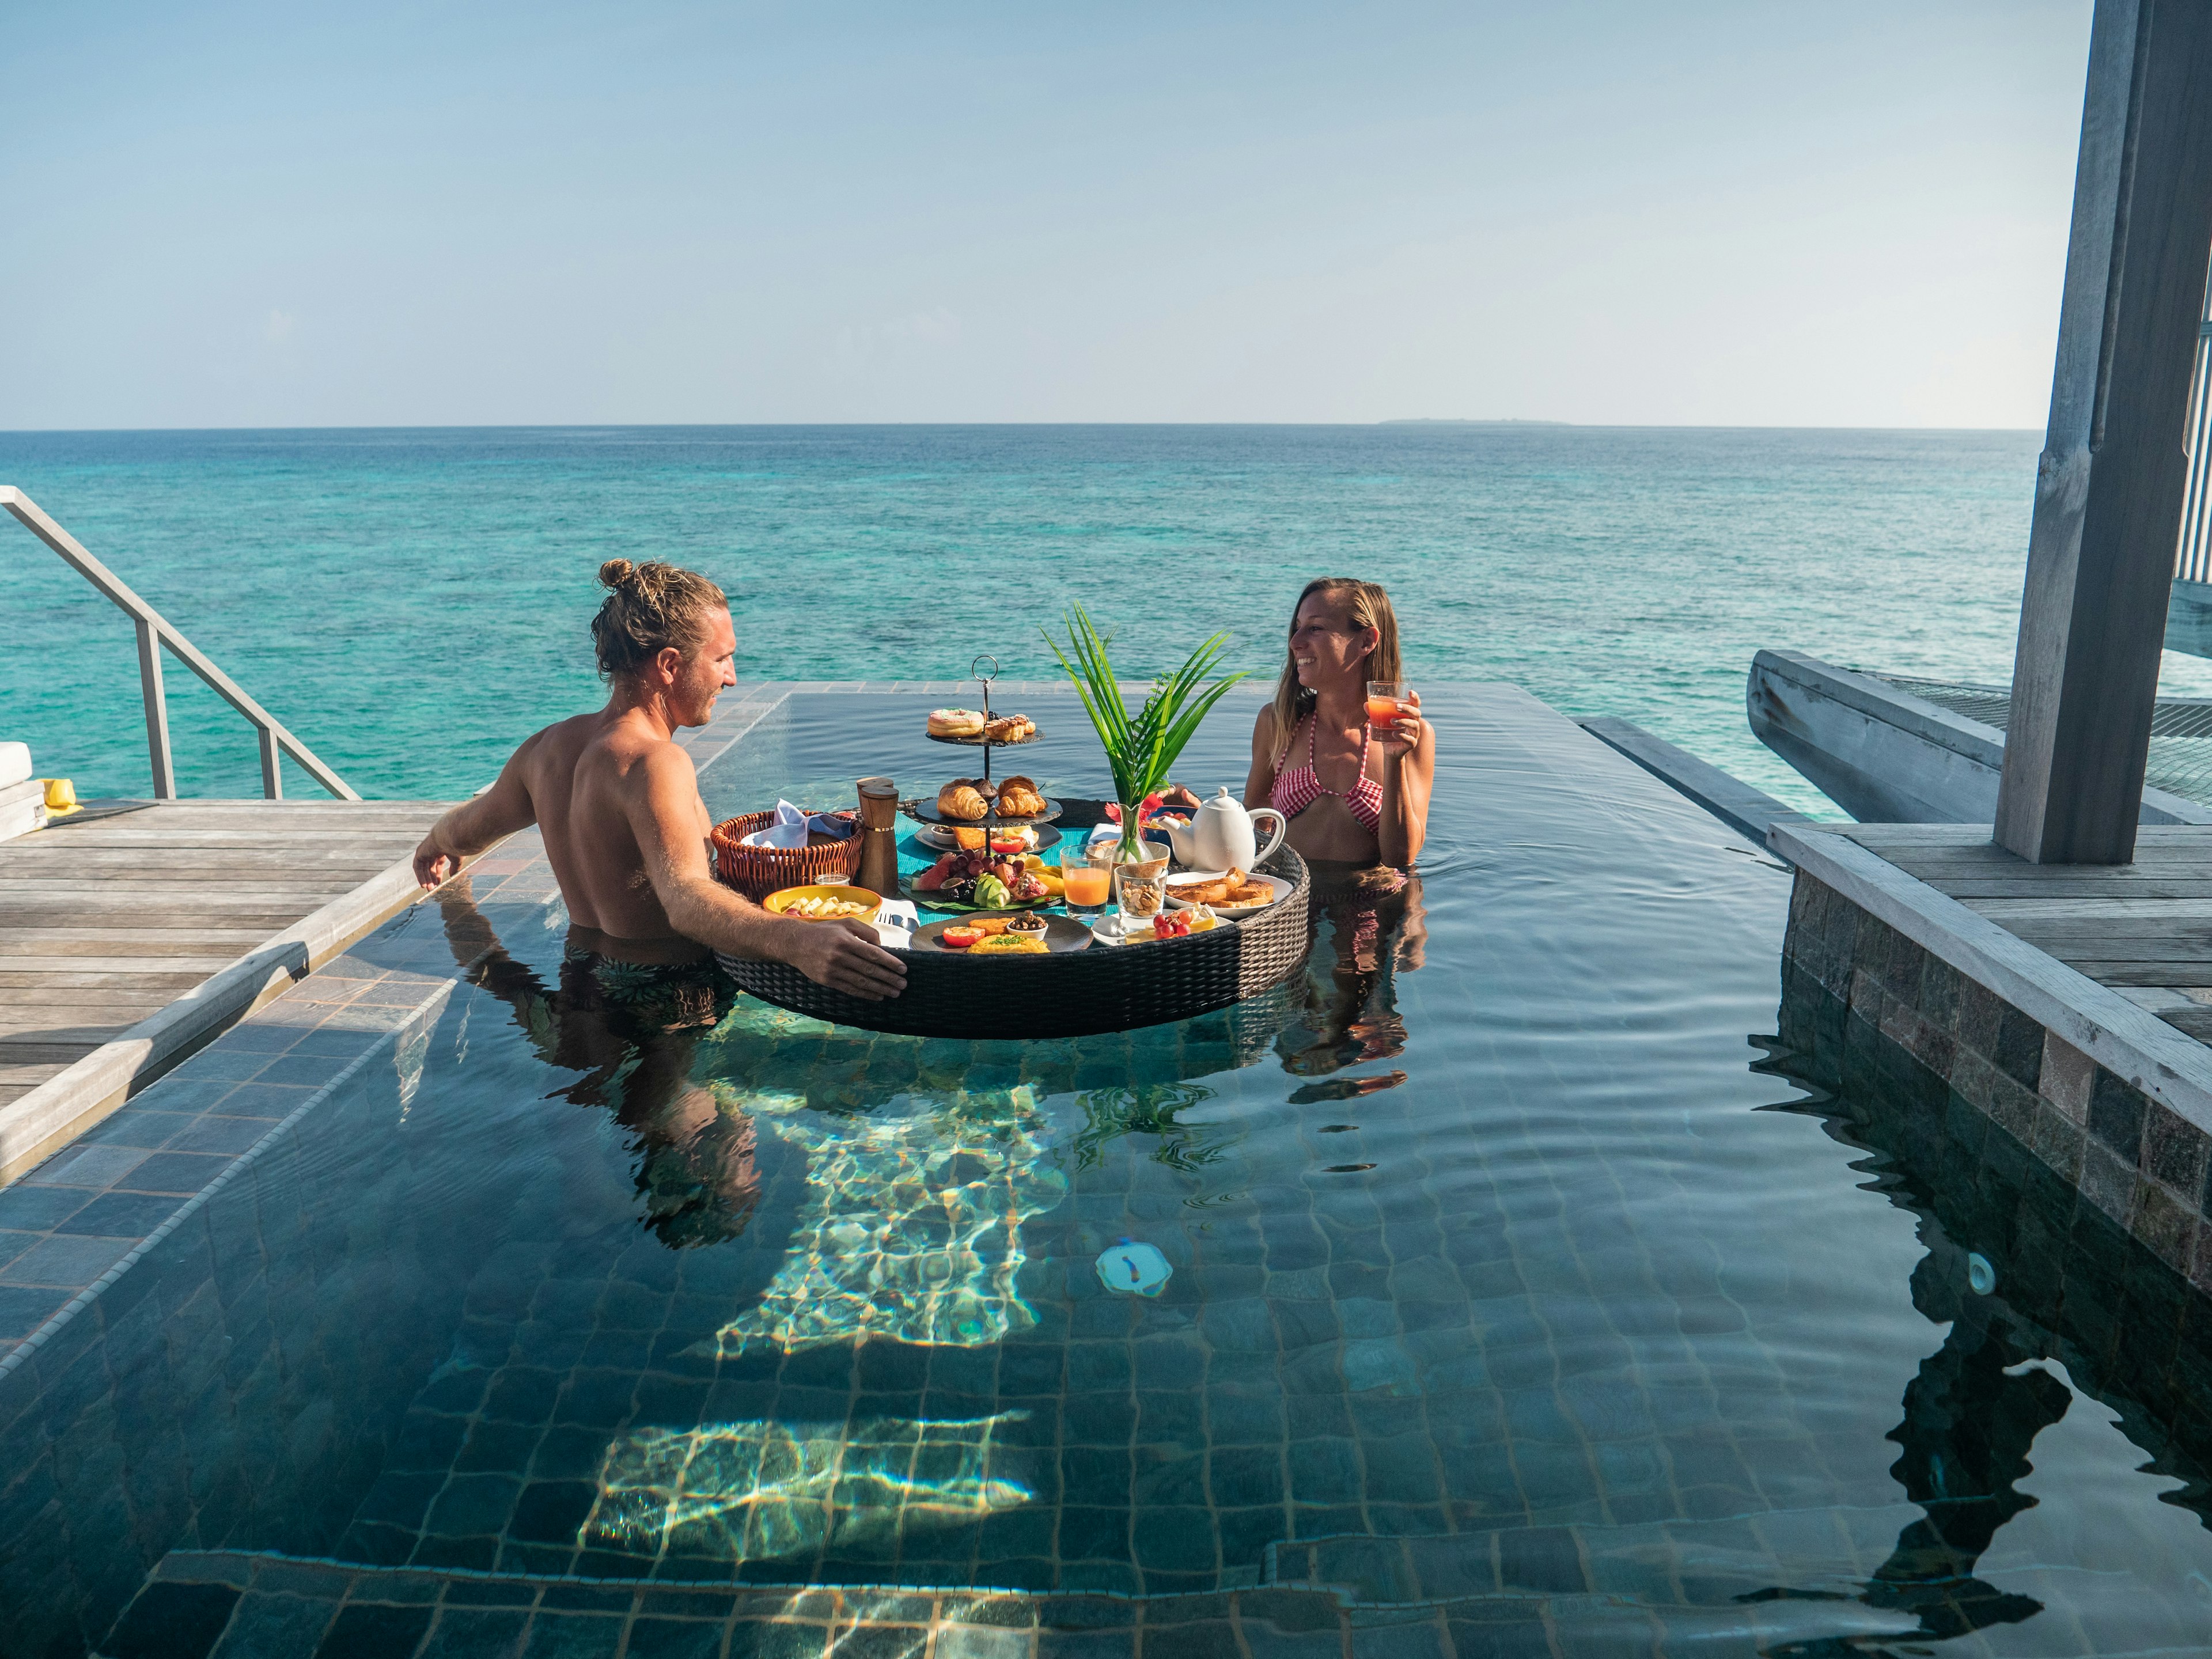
[[981, 740]]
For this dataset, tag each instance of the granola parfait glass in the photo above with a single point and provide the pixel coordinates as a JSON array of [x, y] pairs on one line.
[[1140, 893]]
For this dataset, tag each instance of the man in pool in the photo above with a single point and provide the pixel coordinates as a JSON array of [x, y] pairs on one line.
[[617, 802]]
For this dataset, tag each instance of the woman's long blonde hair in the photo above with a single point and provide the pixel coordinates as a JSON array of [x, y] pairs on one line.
[[1370, 608]]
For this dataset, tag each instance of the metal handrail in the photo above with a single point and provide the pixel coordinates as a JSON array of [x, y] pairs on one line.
[[154, 633], [2192, 558]]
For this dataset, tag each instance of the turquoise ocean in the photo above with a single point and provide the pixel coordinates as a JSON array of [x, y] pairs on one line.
[[412, 602]]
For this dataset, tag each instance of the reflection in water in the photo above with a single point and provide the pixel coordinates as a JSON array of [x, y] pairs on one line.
[[1969, 1421], [749, 1492], [632, 1028], [2074, 1290], [911, 1230], [1146, 1109], [1369, 926]]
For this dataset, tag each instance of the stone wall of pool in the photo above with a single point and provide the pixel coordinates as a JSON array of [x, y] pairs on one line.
[[1862, 998]]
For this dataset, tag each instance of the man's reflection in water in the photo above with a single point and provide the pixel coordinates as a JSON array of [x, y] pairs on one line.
[[1969, 1419], [631, 1027], [1369, 926]]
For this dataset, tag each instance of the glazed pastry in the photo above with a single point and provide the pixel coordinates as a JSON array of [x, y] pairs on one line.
[[961, 799], [955, 723], [1018, 799], [1011, 728]]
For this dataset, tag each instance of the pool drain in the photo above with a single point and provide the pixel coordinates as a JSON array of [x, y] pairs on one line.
[[1133, 1269]]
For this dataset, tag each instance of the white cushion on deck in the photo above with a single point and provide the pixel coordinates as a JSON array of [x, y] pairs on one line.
[[14, 763]]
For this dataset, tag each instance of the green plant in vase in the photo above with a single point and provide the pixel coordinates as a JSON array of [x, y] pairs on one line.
[[1140, 749]]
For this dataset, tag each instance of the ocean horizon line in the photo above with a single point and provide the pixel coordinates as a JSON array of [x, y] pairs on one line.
[[1393, 423]]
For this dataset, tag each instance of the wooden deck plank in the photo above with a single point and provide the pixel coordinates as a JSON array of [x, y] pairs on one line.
[[105, 921]]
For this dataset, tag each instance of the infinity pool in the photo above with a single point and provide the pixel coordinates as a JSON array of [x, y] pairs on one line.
[[1523, 1295]]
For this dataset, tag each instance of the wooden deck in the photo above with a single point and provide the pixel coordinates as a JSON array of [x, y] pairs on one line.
[[2143, 929], [110, 918]]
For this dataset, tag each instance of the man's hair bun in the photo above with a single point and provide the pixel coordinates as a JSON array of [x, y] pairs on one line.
[[650, 607]]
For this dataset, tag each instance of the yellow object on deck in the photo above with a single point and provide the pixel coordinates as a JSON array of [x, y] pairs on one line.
[[61, 796]]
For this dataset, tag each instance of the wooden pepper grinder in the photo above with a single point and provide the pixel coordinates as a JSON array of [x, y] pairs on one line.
[[878, 870]]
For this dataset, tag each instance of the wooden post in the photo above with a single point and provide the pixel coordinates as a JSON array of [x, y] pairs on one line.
[[2108, 484], [157, 711]]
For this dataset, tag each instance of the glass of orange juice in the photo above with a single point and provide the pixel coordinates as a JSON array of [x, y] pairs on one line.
[[1385, 703], [1089, 885]]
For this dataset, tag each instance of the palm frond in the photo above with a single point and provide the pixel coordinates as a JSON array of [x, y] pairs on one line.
[[1140, 749]]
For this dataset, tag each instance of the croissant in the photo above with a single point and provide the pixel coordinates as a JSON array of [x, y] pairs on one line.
[[960, 799], [1018, 799]]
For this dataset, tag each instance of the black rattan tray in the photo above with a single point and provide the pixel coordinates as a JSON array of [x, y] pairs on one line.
[[1078, 994]]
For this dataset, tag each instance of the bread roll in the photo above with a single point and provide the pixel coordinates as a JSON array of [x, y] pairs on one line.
[[960, 799], [1018, 799]]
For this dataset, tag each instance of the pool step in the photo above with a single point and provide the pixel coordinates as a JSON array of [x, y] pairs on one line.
[[231, 1604], [1507, 1591]]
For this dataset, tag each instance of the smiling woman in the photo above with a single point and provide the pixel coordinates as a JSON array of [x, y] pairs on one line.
[[1344, 639]]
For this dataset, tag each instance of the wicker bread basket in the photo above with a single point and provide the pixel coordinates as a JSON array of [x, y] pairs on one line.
[[1078, 994], [757, 872]]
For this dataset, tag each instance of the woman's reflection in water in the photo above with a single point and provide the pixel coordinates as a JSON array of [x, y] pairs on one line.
[[631, 1027], [1369, 926]]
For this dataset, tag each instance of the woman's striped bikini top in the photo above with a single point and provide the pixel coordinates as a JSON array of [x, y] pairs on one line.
[[1299, 786]]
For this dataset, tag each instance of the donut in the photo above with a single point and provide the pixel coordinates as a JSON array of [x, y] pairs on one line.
[[955, 723]]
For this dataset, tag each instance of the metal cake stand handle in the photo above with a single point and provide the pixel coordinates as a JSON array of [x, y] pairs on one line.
[[975, 669]]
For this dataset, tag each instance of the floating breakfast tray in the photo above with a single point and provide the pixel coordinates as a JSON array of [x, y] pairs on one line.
[[1078, 994]]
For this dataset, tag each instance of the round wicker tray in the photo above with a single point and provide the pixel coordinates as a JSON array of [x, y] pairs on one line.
[[1078, 994]]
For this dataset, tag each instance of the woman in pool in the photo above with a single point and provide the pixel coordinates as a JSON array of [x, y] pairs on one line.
[[1351, 795], [1356, 804]]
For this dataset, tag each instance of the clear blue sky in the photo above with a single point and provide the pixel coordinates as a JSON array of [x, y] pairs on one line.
[[1778, 213]]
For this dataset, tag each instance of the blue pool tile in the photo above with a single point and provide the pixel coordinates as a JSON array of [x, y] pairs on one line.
[[370, 1631], [475, 1634], [215, 1133], [120, 1215], [26, 1208], [688, 1638], [473, 1505], [172, 1621], [275, 1627], [94, 1166], [180, 1173], [64, 1260], [572, 1635], [24, 1309]]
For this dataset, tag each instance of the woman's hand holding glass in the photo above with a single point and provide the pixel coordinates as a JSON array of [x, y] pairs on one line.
[[1393, 715]]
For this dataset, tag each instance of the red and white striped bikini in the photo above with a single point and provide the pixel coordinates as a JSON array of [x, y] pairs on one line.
[[1300, 786]]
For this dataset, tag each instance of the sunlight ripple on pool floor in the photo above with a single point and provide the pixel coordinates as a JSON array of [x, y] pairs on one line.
[[747, 1491], [912, 1229]]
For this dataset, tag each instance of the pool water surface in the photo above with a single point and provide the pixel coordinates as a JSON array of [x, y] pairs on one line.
[[1501, 1284]]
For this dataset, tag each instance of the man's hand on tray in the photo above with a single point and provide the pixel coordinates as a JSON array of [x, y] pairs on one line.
[[844, 955]]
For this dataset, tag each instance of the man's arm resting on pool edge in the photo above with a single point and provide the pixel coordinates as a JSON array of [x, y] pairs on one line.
[[465, 831], [663, 809]]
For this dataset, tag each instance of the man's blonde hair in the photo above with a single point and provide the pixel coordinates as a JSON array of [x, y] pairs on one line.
[[648, 608]]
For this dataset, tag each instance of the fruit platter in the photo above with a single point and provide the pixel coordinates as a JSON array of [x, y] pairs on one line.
[[987, 878]]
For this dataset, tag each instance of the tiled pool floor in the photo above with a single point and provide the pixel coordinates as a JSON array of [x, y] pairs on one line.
[[1502, 1318]]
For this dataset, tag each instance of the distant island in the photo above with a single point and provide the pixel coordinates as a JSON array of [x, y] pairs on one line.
[[1426, 419]]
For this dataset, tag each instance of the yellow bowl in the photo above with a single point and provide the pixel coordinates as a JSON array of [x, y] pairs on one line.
[[781, 900]]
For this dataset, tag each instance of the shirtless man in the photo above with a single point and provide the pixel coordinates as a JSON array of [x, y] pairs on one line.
[[619, 805]]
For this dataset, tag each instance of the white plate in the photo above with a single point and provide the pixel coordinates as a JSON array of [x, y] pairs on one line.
[[1199, 879], [941, 837], [1099, 933]]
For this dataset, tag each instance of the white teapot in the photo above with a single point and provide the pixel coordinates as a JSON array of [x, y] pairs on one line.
[[1221, 836]]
